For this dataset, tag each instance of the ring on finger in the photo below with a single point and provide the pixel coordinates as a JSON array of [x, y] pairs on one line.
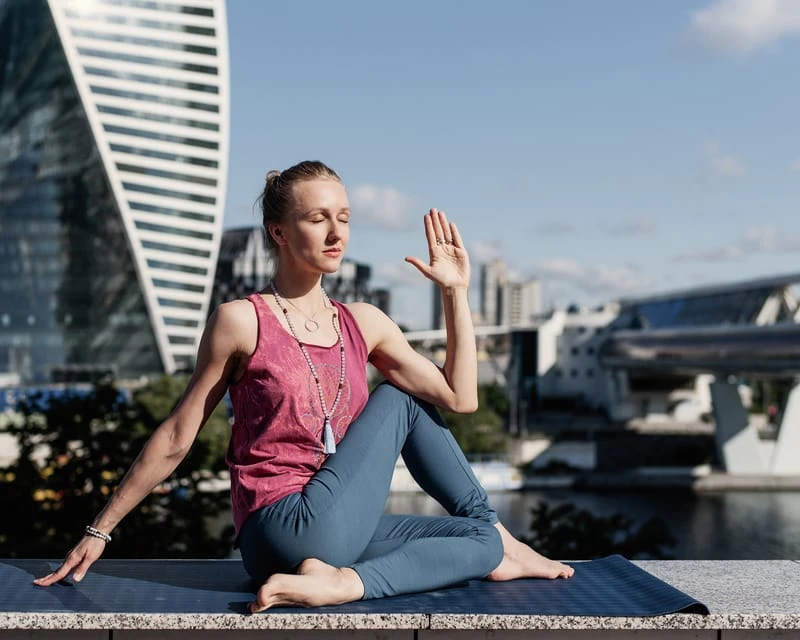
[[439, 241]]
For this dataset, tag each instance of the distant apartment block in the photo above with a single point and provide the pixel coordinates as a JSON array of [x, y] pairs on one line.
[[245, 265], [113, 156], [505, 300]]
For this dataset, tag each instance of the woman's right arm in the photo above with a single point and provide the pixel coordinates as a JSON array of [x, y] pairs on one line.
[[216, 361]]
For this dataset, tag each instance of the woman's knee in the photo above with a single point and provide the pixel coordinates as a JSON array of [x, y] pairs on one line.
[[389, 391]]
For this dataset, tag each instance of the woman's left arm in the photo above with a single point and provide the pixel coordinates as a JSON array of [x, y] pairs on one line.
[[455, 385]]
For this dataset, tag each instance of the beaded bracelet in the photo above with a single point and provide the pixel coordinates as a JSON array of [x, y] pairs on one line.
[[96, 533]]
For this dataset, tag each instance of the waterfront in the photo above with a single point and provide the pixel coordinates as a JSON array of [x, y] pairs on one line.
[[742, 525]]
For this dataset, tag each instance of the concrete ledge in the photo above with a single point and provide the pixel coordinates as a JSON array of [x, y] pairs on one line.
[[760, 599]]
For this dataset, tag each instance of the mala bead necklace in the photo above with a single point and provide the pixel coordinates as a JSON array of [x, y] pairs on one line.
[[328, 440]]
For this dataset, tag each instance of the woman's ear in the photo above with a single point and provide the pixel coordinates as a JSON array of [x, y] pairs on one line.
[[276, 233]]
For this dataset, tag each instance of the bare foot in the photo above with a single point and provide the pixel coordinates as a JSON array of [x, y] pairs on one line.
[[520, 561], [316, 584]]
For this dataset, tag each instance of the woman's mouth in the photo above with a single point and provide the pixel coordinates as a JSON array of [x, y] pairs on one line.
[[333, 253]]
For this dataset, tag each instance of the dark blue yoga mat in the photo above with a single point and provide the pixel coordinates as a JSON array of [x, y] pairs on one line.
[[611, 586]]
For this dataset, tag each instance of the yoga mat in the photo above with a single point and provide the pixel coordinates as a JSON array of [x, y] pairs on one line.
[[611, 586]]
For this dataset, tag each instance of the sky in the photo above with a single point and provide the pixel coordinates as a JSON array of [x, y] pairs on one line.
[[610, 148]]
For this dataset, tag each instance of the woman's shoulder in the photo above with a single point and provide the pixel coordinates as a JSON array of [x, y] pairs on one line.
[[237, 317], [373, 323], [364, 311]]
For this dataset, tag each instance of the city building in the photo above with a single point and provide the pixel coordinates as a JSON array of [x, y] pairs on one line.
[[245, 265], [113, 156], [504, 299], [493, 284], [524, 302], [575, 359]]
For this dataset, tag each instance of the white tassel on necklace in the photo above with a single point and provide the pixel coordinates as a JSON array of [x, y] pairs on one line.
[[328, 439]]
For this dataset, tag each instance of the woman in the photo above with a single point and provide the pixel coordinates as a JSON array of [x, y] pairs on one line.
[[311, 454]]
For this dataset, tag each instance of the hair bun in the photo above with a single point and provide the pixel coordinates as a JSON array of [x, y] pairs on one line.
[[272, 177]]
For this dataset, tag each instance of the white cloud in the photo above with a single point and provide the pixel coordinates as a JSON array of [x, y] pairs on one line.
[[597, 278], [385, 206], [400, 274], [756, 240], [483, 251], [742, 26], [725, 165]]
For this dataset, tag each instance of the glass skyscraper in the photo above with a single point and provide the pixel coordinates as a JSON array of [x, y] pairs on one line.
[[113, 157]]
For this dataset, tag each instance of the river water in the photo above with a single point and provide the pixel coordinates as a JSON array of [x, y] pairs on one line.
[[740, 525]]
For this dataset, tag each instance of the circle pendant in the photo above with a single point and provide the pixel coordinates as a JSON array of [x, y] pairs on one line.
[[311, 325]]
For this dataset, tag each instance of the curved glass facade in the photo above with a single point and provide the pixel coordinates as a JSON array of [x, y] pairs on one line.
[[69, 294], [84, 270]]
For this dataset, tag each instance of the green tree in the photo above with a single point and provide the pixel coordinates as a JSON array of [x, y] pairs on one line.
[[73, 452], [568, 533], [158, 398], [484, 430]]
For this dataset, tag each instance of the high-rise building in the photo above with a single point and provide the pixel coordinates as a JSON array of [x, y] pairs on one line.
[[245, 265], [506, 300], [437, 321], [113, 152], [524, 302], [494, 278]]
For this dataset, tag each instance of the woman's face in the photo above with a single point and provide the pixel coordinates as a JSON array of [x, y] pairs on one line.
[[316, 231]]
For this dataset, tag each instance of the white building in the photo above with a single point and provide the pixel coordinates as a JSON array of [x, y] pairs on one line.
[[113, 162], [504, 299]]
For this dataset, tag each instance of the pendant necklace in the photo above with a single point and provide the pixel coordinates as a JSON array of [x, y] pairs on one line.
[[328, 439], [310, 324]]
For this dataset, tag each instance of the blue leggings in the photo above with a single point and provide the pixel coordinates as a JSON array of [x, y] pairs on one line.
[[339, 516]]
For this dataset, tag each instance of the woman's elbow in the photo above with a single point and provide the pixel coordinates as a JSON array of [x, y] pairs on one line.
[[464, 405]]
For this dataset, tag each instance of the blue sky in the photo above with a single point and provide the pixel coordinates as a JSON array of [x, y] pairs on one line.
[[608, 148]]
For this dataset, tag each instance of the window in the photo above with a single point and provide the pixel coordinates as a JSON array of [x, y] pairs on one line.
[[183, 268], [169, 175], [172, 248]]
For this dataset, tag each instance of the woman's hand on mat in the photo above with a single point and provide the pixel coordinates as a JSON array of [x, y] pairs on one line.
[[76, 563], [449, 261]]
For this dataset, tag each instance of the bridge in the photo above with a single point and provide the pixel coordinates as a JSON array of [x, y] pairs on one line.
[[746, 329]]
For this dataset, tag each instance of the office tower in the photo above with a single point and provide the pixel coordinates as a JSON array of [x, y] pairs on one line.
[[494, 278], [245, 265], [437, 308], [524, 302], [113, 151]]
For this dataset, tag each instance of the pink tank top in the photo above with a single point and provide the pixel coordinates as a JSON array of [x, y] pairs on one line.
[[276, 441]]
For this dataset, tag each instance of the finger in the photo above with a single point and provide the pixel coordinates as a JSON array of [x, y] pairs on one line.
[[83, 567], [447, 235], [437, 228], [254, 607], [424, 269], [57, 575], [457, 242], [430, 232]]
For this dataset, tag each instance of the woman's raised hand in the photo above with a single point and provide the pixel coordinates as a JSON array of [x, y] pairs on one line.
[[76, 563], [449, 262]]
